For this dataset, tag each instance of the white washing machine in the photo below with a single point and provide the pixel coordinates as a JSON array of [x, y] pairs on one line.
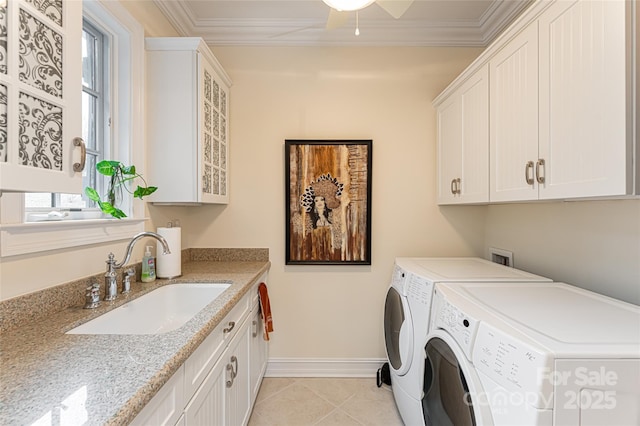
[[534, 354], [406, 318]]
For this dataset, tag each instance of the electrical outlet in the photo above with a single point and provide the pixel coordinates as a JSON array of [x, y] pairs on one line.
[[502, 257]]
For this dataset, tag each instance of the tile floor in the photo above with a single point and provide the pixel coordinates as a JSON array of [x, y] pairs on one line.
[[324, 402]]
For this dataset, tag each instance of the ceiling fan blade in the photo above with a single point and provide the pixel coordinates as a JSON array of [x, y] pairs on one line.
[[336, 19], [395, 8]]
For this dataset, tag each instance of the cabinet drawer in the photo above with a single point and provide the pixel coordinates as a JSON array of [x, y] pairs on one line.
[[201, 361]]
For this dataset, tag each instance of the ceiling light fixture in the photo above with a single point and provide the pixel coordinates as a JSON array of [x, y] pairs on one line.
[[348, 5]]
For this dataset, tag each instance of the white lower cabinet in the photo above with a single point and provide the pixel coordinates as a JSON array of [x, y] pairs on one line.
[[237, 390], [166, 407], [223, 397], [258, 351], [218, 383], [207, 405]]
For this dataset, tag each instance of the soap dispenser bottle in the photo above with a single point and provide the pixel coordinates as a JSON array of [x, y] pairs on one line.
[[148, 266]]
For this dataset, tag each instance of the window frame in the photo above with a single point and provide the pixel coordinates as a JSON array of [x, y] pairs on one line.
[[18, 237], [101, 133]]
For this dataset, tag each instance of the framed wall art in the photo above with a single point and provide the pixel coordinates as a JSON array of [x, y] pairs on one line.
[[328, 202]]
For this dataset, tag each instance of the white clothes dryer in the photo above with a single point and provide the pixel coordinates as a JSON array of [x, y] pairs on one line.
[[532, 354], [406, 317]]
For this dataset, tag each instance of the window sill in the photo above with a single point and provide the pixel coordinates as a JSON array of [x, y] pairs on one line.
[[35, 237]]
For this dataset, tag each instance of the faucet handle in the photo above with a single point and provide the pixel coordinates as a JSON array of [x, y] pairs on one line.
[[92, 296], [126, 282]]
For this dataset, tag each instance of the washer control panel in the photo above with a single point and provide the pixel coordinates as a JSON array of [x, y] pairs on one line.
[[419, 289], [462, 327], [512, 363]]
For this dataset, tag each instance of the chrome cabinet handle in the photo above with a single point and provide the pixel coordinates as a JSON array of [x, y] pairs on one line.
[[234, 360], [255, 329], [528, 173], [230, 327], [540, 165], [455, 186], [78, 167], [231, 371]]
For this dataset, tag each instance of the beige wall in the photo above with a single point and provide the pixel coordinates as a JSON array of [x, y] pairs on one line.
[[591, 244], [383, 94]]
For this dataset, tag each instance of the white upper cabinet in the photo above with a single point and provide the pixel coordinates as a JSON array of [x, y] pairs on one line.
[[514, 118], [188, 122], [463, 142], [583, 120], [562, 105], [40, 96]]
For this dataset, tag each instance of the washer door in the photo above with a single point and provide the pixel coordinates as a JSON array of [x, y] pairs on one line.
[[398, 331], [452, 390]]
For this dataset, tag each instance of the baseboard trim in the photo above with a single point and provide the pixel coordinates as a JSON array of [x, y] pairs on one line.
[[323, 367]]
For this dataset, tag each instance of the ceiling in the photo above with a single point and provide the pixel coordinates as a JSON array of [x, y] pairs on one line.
[[303, 22]]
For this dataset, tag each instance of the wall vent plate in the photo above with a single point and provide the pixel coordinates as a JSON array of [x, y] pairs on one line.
[[502, 257]]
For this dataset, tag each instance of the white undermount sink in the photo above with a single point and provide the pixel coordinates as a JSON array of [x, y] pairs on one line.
[[159, 311]]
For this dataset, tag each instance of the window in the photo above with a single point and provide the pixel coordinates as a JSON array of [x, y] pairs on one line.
[[95, 127], [123, 42]]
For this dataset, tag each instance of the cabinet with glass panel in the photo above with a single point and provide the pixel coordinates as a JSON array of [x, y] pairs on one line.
[[40, 104], [188, 122]]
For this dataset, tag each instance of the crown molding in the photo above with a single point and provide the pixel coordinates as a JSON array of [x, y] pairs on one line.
[[310, 32]]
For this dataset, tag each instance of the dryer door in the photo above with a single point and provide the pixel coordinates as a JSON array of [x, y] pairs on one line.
[[452, 392], [398, 331]]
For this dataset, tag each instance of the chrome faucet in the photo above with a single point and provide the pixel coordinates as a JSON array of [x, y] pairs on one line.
[[110, 277]]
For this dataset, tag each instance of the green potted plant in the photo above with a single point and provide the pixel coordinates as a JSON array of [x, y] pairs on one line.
[[120, 176]]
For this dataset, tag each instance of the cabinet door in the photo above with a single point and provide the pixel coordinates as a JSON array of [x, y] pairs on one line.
[[214, 143], [474, 94], [463, 143], [165, 408], [258, 353], [40, 96], [449, 149], [582, 99], [207, 407], [237, 400], [514, 118]]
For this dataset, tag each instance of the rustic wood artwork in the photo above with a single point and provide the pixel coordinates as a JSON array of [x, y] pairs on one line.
[[328, 202]]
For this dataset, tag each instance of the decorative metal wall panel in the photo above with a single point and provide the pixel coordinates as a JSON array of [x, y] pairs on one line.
[[39, 133], [40, 55]]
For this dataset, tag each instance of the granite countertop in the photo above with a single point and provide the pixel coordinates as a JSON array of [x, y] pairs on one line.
[[47, 375]]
